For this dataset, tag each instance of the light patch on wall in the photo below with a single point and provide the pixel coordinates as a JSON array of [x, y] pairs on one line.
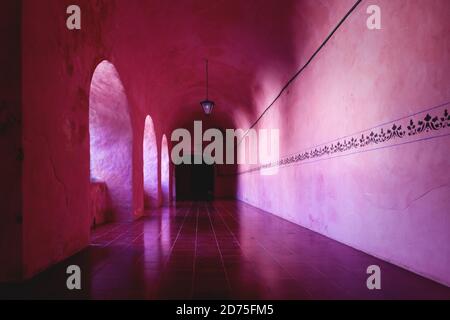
[[150, 151], [165, 185], [111, 138]]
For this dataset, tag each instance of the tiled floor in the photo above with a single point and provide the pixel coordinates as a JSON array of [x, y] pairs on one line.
[[223, 249]]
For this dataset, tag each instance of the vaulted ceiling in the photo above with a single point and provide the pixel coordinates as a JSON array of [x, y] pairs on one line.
[[253, 48]]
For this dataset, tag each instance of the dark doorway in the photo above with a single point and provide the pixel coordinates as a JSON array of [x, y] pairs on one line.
[[195, 182]]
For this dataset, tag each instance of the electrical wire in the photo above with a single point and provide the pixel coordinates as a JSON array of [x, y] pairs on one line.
[[330, 35]]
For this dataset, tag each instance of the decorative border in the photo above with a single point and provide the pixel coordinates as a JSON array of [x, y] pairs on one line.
[[427, 124]]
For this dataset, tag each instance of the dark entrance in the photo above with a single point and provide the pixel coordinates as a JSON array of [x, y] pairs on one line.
[[195, 182]]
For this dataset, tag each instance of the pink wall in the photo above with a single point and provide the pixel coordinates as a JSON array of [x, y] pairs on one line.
[[57, 70], [390, 201]]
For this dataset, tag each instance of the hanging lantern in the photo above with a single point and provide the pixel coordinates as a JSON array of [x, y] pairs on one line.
[[207, 104]]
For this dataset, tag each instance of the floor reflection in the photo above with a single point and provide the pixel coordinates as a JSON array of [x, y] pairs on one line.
[[220, 250]]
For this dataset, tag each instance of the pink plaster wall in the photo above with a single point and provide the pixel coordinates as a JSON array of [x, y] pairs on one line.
[[57, 70], [391, 202]]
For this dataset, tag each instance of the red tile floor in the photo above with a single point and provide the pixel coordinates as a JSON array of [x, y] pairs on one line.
[[222, 249]]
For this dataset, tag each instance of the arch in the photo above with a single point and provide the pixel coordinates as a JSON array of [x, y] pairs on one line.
[[111, 139], [165, 173], [150, 151]]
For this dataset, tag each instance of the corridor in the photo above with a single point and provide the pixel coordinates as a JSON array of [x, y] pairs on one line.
[[221, 250], [238, 149]]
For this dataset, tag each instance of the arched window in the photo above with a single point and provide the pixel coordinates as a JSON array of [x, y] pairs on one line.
[[165, 184], [150, 150], [111, 139]]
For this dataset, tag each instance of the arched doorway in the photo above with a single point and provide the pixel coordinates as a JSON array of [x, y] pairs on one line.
[[165, 178], [111, 139], [195, 182], [150, 151]]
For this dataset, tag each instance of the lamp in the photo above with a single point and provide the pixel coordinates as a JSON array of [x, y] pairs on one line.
[[207, 104]]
